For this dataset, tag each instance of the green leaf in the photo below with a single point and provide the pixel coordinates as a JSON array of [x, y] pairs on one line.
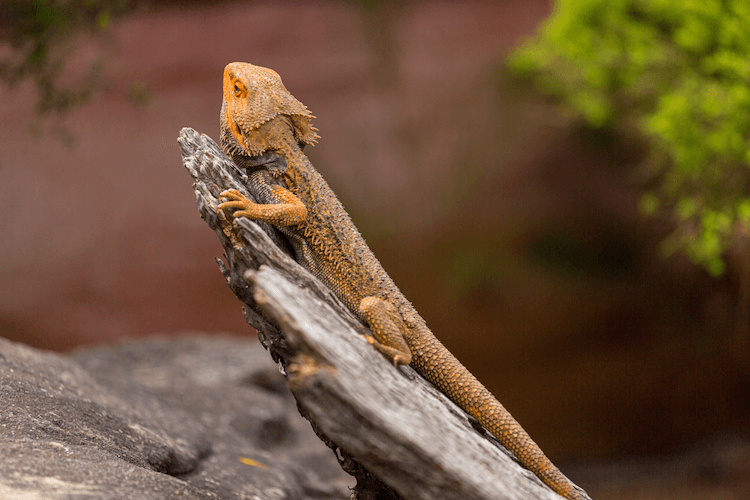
[[678, 75]]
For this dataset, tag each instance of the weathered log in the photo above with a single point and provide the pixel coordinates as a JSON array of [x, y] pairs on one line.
[[390, 428]]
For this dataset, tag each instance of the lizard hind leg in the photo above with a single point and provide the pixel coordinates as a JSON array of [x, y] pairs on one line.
[[388, 327]]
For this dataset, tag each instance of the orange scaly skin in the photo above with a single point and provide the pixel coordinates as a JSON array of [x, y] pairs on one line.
[[260, 117]]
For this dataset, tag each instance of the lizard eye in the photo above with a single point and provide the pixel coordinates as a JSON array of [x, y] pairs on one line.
[[237, 90]]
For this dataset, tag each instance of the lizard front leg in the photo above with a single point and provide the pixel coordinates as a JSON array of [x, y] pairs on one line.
[[287, 210], [388, 327]]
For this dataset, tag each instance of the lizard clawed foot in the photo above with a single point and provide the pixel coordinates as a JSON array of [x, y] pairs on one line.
[[235, 199], [388, 327], [394, 355], [400, 359]]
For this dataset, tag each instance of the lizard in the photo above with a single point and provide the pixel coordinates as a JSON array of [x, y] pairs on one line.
[[264, 129]]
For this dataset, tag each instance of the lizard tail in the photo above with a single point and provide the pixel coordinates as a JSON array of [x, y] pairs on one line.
[[435, 363]]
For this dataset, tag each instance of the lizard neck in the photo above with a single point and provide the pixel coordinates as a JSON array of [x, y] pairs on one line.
[[278, 135]]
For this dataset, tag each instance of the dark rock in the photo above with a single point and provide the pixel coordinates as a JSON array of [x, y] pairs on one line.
[[163, 418]]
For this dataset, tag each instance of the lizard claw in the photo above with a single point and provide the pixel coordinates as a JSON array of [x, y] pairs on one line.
[[232, 194], [235, 199], [399, 359]]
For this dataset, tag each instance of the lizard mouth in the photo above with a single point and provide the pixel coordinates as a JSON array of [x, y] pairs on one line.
[[231, 139]]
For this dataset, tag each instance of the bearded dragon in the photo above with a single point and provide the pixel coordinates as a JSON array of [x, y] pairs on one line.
[[263, 129]]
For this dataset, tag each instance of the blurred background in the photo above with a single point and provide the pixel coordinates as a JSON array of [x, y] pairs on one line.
[[560, 189]]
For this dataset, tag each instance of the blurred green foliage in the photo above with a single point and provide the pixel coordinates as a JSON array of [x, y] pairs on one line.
[[676, 74], [36, 37]]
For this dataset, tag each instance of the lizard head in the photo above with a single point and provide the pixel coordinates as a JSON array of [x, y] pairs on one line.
[[254, 95]]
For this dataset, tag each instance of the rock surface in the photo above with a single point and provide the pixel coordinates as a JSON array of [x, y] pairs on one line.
[[188, 418]]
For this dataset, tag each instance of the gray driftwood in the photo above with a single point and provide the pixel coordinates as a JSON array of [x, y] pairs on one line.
[[395, 432]]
